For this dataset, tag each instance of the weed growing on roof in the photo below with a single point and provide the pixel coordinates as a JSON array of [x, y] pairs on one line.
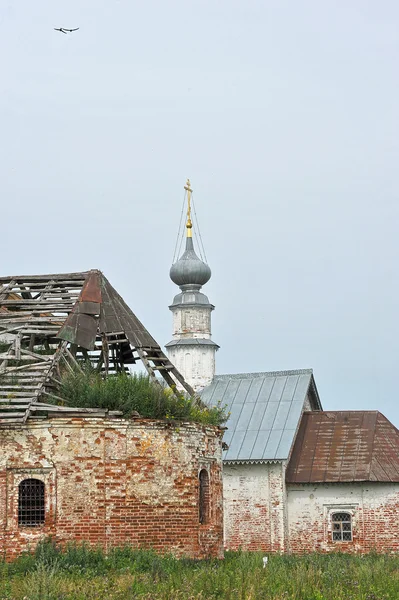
[[131, 394]]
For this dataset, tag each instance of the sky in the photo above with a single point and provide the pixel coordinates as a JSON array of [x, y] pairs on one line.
[[284, 115]]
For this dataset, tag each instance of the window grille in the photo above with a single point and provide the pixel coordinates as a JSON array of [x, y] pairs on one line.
[[342, 527], [203, 496], [31, 503]]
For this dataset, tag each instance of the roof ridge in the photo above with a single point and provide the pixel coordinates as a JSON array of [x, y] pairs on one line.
[[265, 373], [47, 275], [345, 411]]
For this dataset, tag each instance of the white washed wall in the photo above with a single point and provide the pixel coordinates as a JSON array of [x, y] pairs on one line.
[[195, 363], [374, 508], [254, 502]]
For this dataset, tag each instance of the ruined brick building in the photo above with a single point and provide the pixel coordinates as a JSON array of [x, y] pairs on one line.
[[89, 474], [296, 478]]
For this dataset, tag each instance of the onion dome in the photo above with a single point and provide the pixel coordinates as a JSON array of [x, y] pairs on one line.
[[189, 269]]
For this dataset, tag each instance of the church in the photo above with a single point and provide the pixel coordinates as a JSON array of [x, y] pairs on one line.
[[285, 476], [296, 478], [95, 475]]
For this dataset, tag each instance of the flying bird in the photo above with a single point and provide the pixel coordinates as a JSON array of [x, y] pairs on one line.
[[63, 30]]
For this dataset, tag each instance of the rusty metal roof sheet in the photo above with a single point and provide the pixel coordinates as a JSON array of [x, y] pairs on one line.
[[265, 410], [344, 446], [51, 322]]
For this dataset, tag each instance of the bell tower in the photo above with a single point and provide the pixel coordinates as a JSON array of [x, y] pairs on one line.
[[192, 350]]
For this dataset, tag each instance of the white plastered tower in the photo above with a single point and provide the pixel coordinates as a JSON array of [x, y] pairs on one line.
[[192, 350]]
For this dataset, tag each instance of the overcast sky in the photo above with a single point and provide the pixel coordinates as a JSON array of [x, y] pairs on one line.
[[285, 117]]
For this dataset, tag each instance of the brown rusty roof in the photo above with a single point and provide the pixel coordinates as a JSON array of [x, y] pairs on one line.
[[344, 446], [49, 323]]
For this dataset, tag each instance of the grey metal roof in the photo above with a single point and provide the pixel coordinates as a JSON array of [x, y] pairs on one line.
[[265, 411], [191, 342], [191, 296]]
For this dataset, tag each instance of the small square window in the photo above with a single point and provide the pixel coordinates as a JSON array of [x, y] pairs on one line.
[[341, 527]]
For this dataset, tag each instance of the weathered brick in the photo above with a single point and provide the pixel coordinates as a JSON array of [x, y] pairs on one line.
[[113, 482], [263, 513]]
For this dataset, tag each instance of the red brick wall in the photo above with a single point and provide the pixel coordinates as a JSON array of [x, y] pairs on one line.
[[374, 508], [114, 482]]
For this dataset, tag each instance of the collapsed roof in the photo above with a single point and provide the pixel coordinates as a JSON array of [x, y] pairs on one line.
[[54, 322]]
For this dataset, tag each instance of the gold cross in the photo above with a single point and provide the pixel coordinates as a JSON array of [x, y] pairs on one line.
[[189, 224]]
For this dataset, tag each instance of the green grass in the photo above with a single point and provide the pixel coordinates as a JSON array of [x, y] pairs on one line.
[[134, 393], [79, 573]]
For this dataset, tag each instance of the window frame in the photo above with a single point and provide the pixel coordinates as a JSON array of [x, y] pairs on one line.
[[203, 496], [33, 505], [340, 530]]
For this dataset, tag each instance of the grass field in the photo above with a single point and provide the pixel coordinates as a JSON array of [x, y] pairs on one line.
[[82, 574]]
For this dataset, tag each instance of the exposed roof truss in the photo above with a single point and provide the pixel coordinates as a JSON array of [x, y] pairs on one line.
[[49, 323]]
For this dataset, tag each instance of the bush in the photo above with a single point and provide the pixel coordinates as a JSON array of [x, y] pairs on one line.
[[132, 394]]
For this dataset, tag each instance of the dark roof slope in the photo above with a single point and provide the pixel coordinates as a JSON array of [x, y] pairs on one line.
[[265, 410], [52, 322], [344, 446]]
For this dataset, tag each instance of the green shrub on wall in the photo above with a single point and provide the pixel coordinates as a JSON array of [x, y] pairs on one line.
[[132, 394]]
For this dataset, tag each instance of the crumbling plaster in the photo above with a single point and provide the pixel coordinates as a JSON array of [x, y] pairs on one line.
[[374, 508], [112, 482]]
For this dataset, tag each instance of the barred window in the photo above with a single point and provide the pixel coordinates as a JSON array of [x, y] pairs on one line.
[[31, 503], [203, 496], [341, 527]]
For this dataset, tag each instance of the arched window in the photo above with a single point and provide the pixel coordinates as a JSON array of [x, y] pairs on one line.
[[203, 496], [188, 366], [341, 527], [31, 503]]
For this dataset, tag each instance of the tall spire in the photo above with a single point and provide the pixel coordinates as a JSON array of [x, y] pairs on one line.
[[189, 223], [192, 349]]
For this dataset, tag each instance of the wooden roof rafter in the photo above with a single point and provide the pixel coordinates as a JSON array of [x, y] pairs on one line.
[[53, 322]]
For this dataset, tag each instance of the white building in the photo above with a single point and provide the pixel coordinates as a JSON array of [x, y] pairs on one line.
[[295, 478]]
